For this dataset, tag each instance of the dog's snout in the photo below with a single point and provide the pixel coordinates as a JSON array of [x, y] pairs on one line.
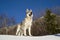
[[30, 14]]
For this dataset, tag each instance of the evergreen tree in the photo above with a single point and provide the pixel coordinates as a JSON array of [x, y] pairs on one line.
[[50, 21]]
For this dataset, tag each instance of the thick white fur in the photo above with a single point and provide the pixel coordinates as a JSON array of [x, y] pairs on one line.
[[26, 24]]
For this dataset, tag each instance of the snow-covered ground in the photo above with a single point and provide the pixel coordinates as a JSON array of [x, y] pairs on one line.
[[48, 37]]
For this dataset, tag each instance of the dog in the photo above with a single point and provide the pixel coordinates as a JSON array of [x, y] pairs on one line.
[[25, 24]]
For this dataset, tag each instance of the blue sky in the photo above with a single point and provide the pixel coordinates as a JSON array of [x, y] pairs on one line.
[[17, 8]]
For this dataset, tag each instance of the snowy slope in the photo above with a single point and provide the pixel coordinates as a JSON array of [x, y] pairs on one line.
[[49, 37]]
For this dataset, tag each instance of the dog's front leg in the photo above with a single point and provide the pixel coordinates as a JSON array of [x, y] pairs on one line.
[[21, 34], [30, 31], [25, 32]]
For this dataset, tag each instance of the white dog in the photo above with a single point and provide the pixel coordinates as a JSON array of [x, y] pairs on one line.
[[26, 24]]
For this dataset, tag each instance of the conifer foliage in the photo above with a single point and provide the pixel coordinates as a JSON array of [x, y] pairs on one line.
[[50, 21]]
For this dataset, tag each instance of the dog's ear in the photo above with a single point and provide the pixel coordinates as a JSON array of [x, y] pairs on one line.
[[30, 10], [27, 10]]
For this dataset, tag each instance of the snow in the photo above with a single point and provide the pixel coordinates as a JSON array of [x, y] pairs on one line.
[[11, 37]]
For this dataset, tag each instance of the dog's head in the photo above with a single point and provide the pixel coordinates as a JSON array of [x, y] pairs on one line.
[[29, 13]]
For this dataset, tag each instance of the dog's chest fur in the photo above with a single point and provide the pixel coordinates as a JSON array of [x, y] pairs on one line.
[[27, 23]]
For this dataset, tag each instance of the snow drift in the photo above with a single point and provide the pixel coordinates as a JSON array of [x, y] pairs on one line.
[[48, 37]]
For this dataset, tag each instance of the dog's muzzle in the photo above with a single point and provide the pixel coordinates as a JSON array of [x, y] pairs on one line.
[[30, 14]]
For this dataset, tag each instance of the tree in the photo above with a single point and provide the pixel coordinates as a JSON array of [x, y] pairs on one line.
[[50, 21], [5, 21]]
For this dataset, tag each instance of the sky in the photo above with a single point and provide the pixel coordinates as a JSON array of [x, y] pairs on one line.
[[17, 8]]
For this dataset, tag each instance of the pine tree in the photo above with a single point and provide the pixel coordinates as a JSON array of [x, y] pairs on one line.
[[50, 22]]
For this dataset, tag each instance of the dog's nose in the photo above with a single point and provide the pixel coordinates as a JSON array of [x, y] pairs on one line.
[[30, 14]]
